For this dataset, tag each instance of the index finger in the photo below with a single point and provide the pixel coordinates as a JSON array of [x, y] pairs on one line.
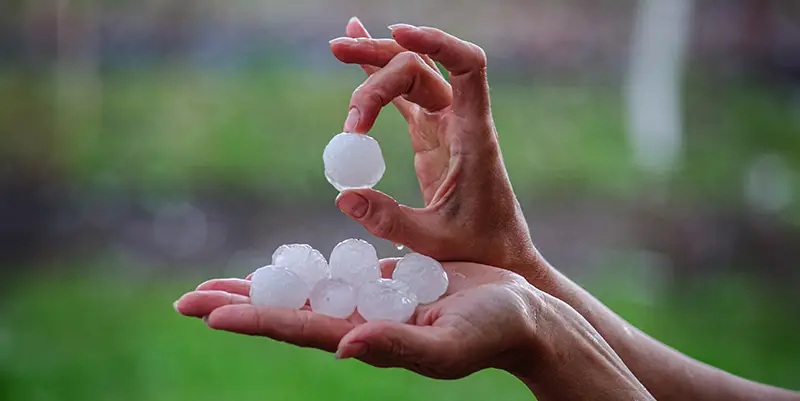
[[356, 29], [299, 327]]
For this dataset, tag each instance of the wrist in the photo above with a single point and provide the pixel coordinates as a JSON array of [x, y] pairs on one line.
[[525, 360], [563, 357], [535, 269]]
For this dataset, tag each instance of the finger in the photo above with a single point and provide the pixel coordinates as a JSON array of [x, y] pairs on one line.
[[202, 303], [387, 267], [370, 53], [232, 285], [406, 75], [299, 327], [386, 47], [391, 344], [249, 277], [355, 29], [385, 218], [465, 61]]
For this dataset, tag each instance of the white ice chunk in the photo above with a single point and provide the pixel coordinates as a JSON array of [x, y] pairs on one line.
[[302, 260], [424, 275], [385, 299], [333, 297], [355, 261], [353, 161], [279, 287]]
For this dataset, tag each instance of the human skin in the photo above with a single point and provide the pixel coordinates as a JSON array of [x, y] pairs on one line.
[[488, 318], [471, 212]]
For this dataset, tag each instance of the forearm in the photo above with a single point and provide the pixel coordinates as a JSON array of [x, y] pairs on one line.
[[667, 374], [568, 360]]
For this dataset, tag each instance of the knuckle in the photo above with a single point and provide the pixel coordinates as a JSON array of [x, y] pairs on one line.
[[368, 93], [398, 349], [383, 219], [384, 227], [303, 326], [478, 55], [258, 323], [359, 91], [410, 62], [408, 58], [377, 97]]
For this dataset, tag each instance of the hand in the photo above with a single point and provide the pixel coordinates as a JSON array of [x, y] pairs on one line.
[[489, 318], [471, 212], [483, 312]]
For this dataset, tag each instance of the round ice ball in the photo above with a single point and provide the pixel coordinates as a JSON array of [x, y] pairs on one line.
[[355, 261], [303, 260], [279, 287], [353, 161], [333, 297], [424, 275], [386, 299]]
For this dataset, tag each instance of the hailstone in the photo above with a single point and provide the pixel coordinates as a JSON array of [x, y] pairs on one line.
[[333, 297], [302, 260], [353, 161], [424, 275], [279, 287], [386, 299], [355, 261]]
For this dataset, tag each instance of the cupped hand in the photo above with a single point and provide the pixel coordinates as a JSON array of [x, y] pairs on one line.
[[482, 321], [488, 318], [471, 212]]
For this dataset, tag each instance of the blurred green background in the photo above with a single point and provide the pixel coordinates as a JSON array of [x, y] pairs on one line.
[[148, 146]]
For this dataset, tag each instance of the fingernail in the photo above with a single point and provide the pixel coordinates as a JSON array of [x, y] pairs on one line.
[[352, 119], [354, 19], [343, 41], [352, 204], [175, 306], [354, 350], [401, 26]]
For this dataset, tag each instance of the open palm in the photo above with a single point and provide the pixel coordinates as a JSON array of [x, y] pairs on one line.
[[451, 338]]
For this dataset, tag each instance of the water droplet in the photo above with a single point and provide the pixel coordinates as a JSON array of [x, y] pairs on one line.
[[399, 247]]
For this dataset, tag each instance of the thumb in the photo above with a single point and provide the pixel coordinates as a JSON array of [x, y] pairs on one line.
[[384, 217], [390, 344]]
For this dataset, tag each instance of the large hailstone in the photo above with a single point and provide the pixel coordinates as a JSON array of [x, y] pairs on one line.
[[424, 275], [355, 261], [302, 260], [353, 161], [386, 299], [279, 287], [333, 297]]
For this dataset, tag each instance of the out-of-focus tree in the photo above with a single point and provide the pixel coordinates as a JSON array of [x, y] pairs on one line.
[[656, 66]]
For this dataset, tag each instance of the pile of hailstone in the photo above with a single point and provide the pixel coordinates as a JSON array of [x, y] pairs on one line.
[[352, 280]]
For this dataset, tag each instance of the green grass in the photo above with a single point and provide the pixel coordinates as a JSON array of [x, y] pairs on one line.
[[114, 338], [85, 339]]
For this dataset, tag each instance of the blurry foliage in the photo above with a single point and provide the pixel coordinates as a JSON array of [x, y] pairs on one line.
[[175, 129], [170, 130]]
